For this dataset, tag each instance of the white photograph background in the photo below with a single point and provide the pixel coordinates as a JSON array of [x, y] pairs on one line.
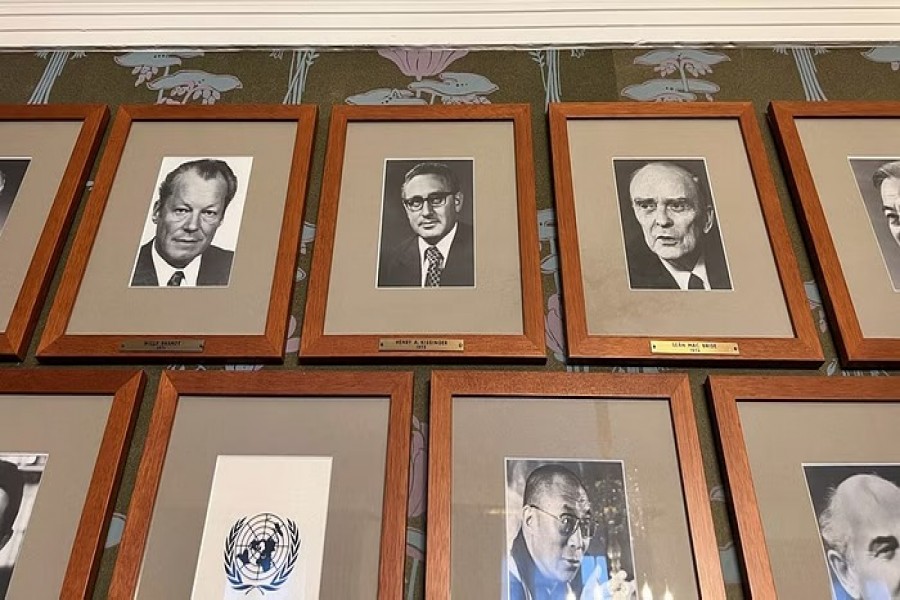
[[609, 550], [864, 169], [20, 477], [264, 531]]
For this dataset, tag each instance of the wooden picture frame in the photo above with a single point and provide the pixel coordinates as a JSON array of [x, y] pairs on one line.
[[500, 167], [125, 389], [813, 397], [88, 319], [731, 164], [180, 387], [26, 291], [561, 392], [859, 343]]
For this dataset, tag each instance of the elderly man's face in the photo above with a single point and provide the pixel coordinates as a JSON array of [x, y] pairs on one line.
[[667, 205], [187, 222], [557, 555], [890, 203], [431, 222], [873, 551]]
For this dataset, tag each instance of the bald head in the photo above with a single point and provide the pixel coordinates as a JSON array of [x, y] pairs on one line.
[[672, 210], [861, 530], [549, 479]]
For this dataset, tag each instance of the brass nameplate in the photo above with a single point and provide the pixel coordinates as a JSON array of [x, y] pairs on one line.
[[420, 345], [162, 346], [685, 347]]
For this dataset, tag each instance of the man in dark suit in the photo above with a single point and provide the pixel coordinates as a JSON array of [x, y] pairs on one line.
[[441, 251], [676, 217], [191, 207]]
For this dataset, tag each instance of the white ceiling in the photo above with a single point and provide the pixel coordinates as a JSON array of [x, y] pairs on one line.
[[44, 23]]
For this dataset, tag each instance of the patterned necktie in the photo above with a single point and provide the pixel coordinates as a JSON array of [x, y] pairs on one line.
[[695, 283], [176, 279], [435, 266]]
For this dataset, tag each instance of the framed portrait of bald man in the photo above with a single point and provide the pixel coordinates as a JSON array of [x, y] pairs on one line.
[[673, 246], [188, 245], [813, 470], [843, 162], [427, 237], [46, 155], [530, 514]]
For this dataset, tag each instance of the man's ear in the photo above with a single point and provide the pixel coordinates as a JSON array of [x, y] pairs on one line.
[[458, 201], [527, 516], [710, 217], [844, 573], [155, 216]]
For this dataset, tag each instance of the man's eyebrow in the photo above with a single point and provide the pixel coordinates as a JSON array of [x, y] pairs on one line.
[[882, 540], [888, 209]]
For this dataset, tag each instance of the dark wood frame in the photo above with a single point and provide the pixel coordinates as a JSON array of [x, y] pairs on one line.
[[267, 346], [15, 339], [315, 343], [855, 350], [175, 384], [445, 385], [726, 392], [127, 388], [804, 347]]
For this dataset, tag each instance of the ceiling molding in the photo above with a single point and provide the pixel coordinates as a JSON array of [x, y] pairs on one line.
[[102, 23]]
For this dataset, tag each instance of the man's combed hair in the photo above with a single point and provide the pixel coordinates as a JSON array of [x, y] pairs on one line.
[[207, 168], [542, 479], [889, 170], [702, 196], [437, 169], [13, 484]]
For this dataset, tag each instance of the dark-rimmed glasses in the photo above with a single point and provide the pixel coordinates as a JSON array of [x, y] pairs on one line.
[[435, 200], [568, 522]]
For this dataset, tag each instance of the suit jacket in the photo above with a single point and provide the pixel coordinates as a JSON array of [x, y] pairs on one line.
[[401, 265], [215, 267], [648, 273]]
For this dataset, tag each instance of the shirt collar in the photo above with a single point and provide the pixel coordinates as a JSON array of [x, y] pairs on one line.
[[164, 270], [443, 247], [682, 277]]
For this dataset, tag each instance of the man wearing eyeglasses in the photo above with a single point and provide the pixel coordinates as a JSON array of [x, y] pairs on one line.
[[440, 251], [546, 556]]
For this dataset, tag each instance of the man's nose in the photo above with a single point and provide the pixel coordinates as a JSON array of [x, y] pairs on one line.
[[577, 538], [192, 223], [426, 208], [661, 216]]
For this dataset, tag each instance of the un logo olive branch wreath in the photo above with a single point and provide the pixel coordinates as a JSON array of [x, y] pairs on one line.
[[233, 571]]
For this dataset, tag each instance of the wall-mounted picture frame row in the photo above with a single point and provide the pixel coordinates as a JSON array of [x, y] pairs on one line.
[[617, 505], [672, 243]]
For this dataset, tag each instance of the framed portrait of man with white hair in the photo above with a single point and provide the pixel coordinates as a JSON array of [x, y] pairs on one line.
[[814, 474], [187, 247], [673, 246], [843, 159]]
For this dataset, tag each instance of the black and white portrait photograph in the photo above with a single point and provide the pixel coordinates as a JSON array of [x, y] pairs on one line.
[[568, 532], [12, 172], [857, 510], [878, 180], [427, 231], [669, 225], [193, 221], [20, 476]]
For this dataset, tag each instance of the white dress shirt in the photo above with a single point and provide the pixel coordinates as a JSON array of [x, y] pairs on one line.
[[443, 247], [164, 270], [683, 277]]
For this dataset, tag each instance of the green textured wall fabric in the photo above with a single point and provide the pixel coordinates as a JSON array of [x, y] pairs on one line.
[[535, 76]]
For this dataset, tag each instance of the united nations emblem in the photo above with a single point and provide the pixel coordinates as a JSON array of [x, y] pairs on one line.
[[260, 552]]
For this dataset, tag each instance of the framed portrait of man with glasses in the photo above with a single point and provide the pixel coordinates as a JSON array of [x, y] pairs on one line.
[[427, 231]]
